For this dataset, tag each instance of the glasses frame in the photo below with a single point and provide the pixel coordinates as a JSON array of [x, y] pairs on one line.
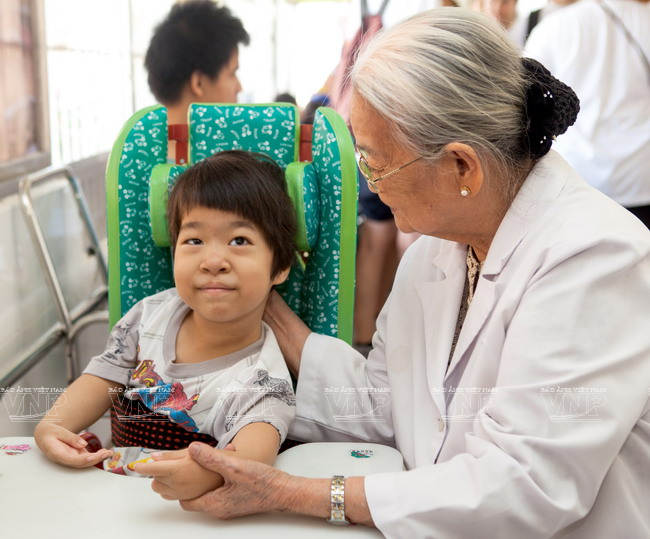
[[364, 168]]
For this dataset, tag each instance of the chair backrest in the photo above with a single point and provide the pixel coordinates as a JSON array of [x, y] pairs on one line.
[[320, 287]]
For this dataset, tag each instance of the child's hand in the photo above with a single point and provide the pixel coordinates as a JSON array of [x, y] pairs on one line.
[[177, 476], [65, 447]]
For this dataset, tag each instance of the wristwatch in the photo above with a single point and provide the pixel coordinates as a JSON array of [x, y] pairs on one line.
[[337, 502]]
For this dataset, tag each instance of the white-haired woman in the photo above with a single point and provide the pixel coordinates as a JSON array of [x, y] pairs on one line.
[[529, 288]]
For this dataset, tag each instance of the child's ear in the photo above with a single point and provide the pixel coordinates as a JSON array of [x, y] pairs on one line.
[[281, 276]]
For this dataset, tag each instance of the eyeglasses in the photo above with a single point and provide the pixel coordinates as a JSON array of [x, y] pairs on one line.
[[365, 169]]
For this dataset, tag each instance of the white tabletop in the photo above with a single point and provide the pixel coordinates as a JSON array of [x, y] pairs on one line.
[[41, 499], [348, 459]]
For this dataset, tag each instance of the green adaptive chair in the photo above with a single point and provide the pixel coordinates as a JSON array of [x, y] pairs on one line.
[[320, 287]]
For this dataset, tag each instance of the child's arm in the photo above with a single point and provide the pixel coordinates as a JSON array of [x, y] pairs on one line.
[[83, 403], [178, 477], [257, 441]]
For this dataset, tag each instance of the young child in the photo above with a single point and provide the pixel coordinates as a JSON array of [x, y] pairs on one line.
[[195, 362]]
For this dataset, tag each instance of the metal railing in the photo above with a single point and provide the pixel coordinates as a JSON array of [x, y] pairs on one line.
[[73, 318]]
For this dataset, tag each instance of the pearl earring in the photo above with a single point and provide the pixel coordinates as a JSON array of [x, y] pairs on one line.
[[464, 191]]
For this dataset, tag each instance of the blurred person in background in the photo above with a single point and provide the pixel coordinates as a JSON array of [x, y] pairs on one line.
[[602, 50], [536, 16], [193, 57]]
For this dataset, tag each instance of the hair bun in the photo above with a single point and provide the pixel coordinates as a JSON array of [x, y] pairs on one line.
[[551, 108]]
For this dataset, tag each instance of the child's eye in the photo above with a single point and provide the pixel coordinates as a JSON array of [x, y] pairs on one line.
[[239, 240], [193, 241]]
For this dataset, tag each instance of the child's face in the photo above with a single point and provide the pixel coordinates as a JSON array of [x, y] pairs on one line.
[[222, 267]]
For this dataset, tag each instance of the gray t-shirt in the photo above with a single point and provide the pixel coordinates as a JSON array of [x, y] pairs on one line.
[[216, 397]]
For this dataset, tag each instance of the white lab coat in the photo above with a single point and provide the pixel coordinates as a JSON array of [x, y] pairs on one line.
[[562, 304]]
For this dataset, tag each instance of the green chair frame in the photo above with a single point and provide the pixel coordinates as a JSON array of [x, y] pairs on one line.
[[320, 287]]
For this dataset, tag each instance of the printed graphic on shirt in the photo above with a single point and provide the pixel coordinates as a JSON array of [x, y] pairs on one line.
[[146, 375], [166, 399], [117, 342], [169, 400], [257, 402], [276, 387]]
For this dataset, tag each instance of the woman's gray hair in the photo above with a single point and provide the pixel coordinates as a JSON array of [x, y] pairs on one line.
[[447, 75]]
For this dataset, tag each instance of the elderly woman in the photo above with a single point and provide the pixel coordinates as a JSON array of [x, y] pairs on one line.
[[529, 288]]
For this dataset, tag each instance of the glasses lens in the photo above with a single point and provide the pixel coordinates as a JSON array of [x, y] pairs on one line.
[[363, 166], [365, 169]]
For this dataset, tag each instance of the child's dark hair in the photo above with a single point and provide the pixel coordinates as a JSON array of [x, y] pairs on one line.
[[197, 35], [248, 184]]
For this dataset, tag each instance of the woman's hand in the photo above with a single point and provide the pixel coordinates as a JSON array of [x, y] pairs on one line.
[[249, 487], [290, 331], [65, 447]]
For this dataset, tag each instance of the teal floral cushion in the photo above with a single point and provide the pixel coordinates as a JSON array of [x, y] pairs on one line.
[[320, 288]]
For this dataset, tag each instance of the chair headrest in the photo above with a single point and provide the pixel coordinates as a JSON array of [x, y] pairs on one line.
[[320, 287], [302, 186]]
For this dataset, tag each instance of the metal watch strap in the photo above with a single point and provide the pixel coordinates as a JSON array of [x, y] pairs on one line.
[[337, 502]]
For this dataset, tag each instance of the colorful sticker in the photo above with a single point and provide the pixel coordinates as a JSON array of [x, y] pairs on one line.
[[361, 453], [15, 449]]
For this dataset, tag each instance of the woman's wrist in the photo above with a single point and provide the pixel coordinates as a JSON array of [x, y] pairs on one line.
[[313, 497], [305, 496], [356, 504]]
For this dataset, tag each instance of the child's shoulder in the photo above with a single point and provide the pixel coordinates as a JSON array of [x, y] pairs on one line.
[[270, 358], [169, 294], [262, 355], [167, 300]]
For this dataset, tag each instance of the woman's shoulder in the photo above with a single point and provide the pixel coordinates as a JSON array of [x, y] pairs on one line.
[[561, 215], [557, 216], [584, 215]]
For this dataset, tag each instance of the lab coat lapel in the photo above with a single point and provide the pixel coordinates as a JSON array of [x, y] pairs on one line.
[[440, 299], [529, 205], [482, 305]]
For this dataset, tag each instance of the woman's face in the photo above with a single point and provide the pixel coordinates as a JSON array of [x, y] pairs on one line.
[[421, 197]]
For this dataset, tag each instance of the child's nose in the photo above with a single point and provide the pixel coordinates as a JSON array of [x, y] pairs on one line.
[[215, 261]]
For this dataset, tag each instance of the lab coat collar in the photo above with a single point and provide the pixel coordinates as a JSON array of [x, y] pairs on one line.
[[536, 195]]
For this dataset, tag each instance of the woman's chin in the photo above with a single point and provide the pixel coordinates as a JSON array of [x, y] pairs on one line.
[[402, 224]]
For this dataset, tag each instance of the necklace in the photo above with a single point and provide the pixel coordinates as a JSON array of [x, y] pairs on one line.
[[473, 271]]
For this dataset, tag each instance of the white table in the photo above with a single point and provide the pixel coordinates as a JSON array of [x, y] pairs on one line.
[[41, 499]]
